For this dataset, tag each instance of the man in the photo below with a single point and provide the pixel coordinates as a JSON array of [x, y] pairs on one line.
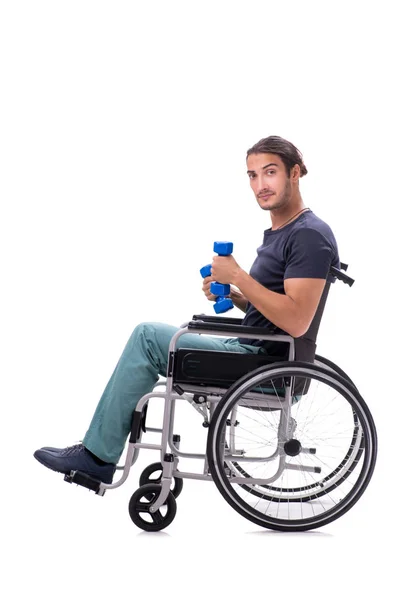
[[281, 293]]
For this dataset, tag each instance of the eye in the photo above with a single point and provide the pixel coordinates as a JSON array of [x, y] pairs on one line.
[[273, 172]]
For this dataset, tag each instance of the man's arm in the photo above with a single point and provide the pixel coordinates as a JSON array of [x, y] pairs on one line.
[[292, 311], [238, 299]]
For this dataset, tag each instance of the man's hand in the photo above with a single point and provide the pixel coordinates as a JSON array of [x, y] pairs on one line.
[[237, 297], [224, 269], [207, 281]]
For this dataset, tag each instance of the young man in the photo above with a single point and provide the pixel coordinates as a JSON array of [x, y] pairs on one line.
[[281, 293]]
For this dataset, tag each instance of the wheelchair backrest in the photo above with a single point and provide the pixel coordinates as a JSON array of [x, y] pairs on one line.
[[306, 345]]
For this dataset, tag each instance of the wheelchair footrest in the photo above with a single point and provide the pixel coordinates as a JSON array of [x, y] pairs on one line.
[[84, 480]]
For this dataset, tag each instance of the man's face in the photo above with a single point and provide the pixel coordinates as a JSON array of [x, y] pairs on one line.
[[269, 181]]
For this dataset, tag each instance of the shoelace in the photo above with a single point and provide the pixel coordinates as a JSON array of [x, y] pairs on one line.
[[71, 449]]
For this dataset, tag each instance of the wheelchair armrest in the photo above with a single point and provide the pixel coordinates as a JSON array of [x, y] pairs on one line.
[[242, 330], [214, 319]]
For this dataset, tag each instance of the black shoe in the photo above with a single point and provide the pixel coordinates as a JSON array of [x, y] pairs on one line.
[[75, 458]]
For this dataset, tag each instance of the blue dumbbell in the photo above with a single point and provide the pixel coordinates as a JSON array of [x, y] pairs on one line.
[[220, 290]]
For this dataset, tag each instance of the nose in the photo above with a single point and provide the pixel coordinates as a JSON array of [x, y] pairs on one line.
[[261, 184]]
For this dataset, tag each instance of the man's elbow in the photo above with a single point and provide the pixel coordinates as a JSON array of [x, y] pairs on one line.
[[299, 328]]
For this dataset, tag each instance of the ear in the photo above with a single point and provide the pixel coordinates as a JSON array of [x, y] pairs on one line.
[[295, 173]]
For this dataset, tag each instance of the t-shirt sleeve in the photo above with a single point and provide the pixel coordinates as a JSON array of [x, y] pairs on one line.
[[308, 254]]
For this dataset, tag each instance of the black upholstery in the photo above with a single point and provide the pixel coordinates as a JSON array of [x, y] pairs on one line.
[[306, 345], [201, 368]]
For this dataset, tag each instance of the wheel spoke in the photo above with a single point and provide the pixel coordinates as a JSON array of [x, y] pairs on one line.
[[142, 507], [157, 517]]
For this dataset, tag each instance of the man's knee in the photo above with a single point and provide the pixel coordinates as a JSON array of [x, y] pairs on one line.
[[153, 339], [148, 329], [141, 328], [154, 334], [142, 334]]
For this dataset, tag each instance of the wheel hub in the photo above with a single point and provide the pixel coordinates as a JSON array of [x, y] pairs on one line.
[[292, 447]]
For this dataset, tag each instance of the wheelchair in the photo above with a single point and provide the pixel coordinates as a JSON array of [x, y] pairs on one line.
[[291, 443]]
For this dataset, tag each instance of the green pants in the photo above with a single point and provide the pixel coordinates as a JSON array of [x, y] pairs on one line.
[[144, 358]]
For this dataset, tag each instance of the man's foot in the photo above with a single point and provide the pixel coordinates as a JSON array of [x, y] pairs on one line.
[[75, 458]]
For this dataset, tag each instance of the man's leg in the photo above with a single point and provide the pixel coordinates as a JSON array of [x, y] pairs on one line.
[[144, 358]]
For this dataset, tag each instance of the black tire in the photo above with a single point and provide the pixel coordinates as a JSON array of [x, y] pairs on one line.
[[321, 487], [146, 478], [140, 504], [328, 363], [354, 404]]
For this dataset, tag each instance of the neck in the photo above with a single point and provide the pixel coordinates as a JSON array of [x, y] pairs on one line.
[[281, 216]]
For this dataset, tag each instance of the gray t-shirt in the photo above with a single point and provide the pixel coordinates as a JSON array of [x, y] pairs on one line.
[[304, 248]]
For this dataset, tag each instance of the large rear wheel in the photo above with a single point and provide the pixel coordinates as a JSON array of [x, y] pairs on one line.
[[298, 462]]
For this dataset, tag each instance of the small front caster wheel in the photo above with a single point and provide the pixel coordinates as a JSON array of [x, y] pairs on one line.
[[141, 502], [153, 474]]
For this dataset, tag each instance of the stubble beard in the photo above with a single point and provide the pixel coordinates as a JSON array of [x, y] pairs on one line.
[[282, 200]]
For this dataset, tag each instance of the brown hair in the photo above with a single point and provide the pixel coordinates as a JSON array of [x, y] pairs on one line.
[[289, 154]]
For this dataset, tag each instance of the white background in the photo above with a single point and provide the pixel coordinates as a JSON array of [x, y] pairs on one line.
[[124, 129]]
